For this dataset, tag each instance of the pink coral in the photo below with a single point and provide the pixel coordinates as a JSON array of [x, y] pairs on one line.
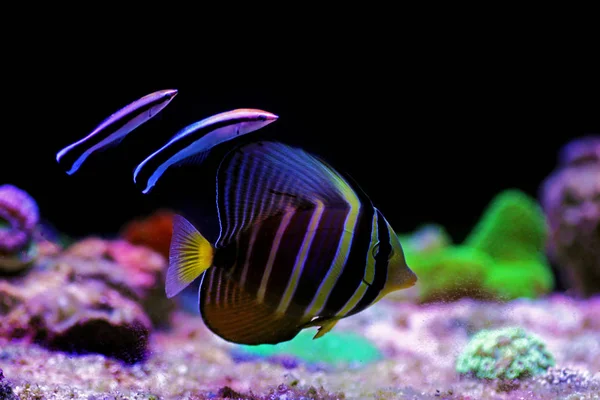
[[154, 231], [136, 271], [21, 213]]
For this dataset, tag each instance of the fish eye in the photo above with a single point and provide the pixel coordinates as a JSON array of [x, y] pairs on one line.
[[375, 250]]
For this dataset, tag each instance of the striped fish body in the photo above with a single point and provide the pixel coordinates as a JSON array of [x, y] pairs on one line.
[[113, 129], [299, 246]]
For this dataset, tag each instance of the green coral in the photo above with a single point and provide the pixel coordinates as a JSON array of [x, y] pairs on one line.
[[503, 257], [336, 348], [507, 353]]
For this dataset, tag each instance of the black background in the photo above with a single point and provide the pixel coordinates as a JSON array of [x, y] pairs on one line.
[[431, 128]]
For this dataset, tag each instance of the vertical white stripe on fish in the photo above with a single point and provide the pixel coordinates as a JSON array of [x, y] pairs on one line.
[[282, 165], [247, 213], [218, 293], [301, 258], [263, 208], [246, 266], [211, 273], [285, 220], [226, 191], [240, 208], [254, 233], [225, 300]]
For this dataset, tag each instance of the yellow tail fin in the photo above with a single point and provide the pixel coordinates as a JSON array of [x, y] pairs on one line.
[[189, 256]]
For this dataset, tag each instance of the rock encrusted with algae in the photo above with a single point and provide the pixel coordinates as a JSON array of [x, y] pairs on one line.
[[6, 392], [137, 272], [97, 296], [53, 309], [571, 200], [19, 217], [569, 378], [507, 353]]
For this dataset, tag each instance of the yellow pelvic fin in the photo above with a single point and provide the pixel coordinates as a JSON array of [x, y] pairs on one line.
[[189, 256]]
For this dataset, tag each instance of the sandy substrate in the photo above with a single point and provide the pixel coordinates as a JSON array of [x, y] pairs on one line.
[[420, 345]]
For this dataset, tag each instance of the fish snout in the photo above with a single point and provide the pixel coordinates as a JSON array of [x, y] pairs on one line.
[[409, 278], [171, 93], [267, 116]]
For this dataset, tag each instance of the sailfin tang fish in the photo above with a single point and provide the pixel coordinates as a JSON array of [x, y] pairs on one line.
[[113, 129], [300, 245], [193, 143]]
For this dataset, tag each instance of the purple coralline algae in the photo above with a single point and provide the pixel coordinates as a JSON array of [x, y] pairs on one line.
[[137, 272], [97, 296], [6, 392], [52, 308], [19, 216], [420, 346], [570, 197]]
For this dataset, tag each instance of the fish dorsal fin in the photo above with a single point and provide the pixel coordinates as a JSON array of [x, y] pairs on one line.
[[236, 315], [262, 179]]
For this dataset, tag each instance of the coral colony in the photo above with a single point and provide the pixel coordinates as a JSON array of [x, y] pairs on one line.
[[89, 319]]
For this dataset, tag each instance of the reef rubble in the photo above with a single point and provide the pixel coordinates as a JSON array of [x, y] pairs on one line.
[[420, 344]]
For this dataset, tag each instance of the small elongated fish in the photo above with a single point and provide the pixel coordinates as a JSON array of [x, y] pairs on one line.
[[193, 143], [299, 246], [114, 128]]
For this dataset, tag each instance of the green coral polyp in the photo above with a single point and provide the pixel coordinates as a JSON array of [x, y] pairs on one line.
[[507, 353], [503, 258]]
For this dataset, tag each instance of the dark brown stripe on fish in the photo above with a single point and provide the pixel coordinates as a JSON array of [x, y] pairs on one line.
[[321, 255], [287, 253], [381, 266], [257, 256], [354, 267]]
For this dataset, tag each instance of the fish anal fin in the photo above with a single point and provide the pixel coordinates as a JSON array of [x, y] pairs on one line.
[[190, 255], [325, 325], [236, 315]]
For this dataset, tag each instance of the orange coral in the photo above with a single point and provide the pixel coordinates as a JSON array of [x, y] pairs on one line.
[[153, 231]]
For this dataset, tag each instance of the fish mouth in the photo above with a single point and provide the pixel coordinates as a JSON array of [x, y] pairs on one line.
[[270, 116], [410, 279]]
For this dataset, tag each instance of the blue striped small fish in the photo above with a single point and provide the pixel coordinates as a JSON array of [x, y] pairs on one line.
[[299, 246], [113, 129], [193, 143]]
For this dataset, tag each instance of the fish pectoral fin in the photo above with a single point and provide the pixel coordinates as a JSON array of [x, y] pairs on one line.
[[189, 256], [236, 315], [195, 159], [325, 325]]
